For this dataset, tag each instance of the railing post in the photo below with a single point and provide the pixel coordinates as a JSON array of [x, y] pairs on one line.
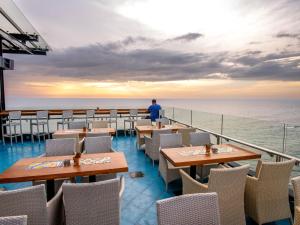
[[173, 113], [222, 124], [191, 118], [284, 138]]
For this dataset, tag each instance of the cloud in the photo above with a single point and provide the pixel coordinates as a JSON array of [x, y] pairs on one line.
[[288, 35], [188, 37], [118, 61]]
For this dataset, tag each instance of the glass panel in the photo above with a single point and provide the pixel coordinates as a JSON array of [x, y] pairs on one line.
[[207, 121], [259, 132], [182, 115]]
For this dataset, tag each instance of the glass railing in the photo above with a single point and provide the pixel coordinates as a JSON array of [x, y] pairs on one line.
[[280, 137]]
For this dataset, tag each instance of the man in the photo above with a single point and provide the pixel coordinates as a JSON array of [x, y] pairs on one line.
[[154, 110]]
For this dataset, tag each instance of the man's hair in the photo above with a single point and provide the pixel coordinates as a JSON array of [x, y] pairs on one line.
[[153, 100]]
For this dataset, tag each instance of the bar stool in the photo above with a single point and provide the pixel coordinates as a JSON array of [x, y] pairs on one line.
[[113, 118], [89, 116], [133, 114], [67, 117], [13, 121], [42, 120]]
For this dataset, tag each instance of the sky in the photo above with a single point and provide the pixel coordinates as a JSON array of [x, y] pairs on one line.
[[161, 48]]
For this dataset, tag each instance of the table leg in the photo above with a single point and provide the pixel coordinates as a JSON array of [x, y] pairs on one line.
[[50, 189], [92, 178], [193, 171]]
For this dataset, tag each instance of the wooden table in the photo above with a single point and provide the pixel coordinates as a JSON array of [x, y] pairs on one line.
[[82, 133], [149, 129], [175, 157], [20, 172]]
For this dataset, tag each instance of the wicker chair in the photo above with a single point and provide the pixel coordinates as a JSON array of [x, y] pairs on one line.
[[186, 135], [79, 143], [100, 124], [152, 144], [202, 209], [77, 125], [296, 186], [169, 172], [13, 220], [60, 147], [140, 141], [95, 203], [67, 117], [31, 202], [266, 195], [229, 183], [200, 139], [98, 144], [133, 117]]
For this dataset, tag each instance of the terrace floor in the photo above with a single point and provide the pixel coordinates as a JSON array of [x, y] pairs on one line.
[[138, 204]]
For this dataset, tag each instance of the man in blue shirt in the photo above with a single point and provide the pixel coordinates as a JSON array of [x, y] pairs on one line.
[[154, 110]]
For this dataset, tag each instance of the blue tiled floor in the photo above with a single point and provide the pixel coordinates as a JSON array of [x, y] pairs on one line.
[[138, 203]]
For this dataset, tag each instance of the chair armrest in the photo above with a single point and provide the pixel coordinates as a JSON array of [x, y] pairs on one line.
[[42, 155], [55, 211], [122, 186]]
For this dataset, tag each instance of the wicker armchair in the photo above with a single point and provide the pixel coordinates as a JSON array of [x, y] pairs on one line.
[[169, 172], [100, 124], [229, 184], [191, 209], [13, 220], [152, 144], [58, 147], [31, 202], [98, 145], [185, 132], [140, 141], [296, 186], [200, 139], [77, 124], [266, 195], [79, 143], [96, 203]]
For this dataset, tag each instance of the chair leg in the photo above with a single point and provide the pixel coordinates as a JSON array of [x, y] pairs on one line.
[[15, 134], [21, 132], [124, 128], [44, 134], [32, 136], [38, 132], [3, 138]]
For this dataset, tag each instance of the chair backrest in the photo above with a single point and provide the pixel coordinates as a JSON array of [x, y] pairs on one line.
[[60, 147], [93, 134], [77, 125], [113, 113], [277, 174], [156, 135], [164, 121], [186, 134], [100, 124], [189, 209], [94, 203], [30, 201], [14, 115], [67, 114], [97, 144], [143, 122], [170, 140], [41, 115], [230, 183], [13, 220], [199, 139], [133, 112], [296, 187], [90, 113]]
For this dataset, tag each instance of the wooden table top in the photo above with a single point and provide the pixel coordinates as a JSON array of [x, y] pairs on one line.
[[109, 130], [19, 172], [149, 129], [175, 157]]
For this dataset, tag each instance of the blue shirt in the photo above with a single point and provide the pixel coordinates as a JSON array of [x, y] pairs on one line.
[[154, 111]]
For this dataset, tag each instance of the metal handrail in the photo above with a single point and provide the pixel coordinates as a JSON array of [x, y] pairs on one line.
[[227, 138]]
